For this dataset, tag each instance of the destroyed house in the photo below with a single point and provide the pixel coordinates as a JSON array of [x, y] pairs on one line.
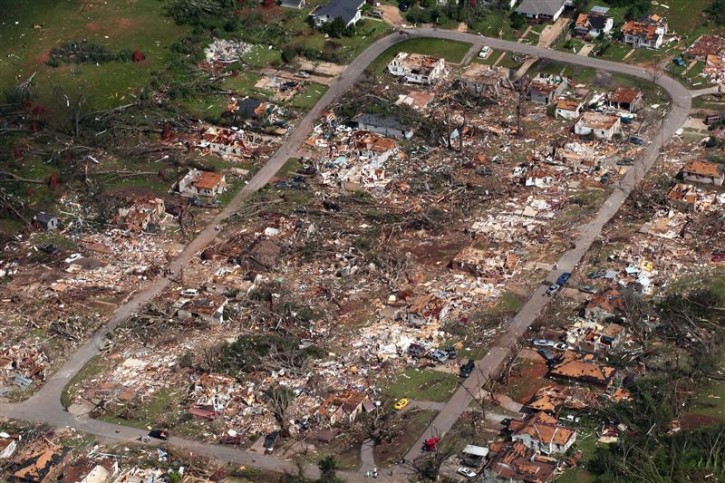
[[601, 126], [704, 172], [516, 462], [223, 141], [40, 461], [86, 470], [690, 196], [648, 32], [593, 24], [349, 11], [145, 211], [46, 220], [625, 99], [483, 80], [540, 432], [542, 9], [607, 304], [544, 89], [568, 109], [343, 407], [552, 399], [202, 183], [209, 307], [417, 68], [262, 256], [386, 126], [584, 371]]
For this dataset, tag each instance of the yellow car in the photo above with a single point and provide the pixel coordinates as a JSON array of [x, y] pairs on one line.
[[401, 404]]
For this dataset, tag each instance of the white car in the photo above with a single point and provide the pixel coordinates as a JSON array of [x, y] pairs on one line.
[[467, 472], [485, 52], [190, 292]]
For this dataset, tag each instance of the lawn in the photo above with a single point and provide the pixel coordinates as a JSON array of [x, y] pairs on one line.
[[424, 385], [683, 16], [452, 51], [616, 51], [495, 24], [261, 56], [92, 368], [416, 422], [138, 24], [709, 401], [309, 96]]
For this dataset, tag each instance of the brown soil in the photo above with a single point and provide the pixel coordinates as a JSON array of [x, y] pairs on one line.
[[694, 421]]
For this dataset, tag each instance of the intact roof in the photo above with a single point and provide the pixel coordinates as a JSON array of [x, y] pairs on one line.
[[703, 168], [344, 9], [208, 180], [625, 95], [380, 121], [540, 7]]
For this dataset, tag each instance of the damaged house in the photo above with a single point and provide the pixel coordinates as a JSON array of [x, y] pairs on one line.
[[601, 126], [625, 99], [648, 32], [516, 462], [584, 370], [540, 432], [418, 68], [145, 211], [256, 113], [593, 24], [343, 407], [224, 142], [543, 89], [202, 183], [485, 81], [40, 461], [704, 172], [386, 126], [208, 307], [568, 109]]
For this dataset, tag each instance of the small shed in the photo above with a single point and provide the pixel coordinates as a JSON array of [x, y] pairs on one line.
[[46, 220], [474, 456]]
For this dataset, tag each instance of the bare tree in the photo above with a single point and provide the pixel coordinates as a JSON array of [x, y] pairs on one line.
[[279, 399]]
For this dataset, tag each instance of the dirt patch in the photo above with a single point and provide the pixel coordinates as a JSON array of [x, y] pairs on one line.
[[92, 27], [462, 27], [391, 15], [43, 57], [123, 23], [694, 421]]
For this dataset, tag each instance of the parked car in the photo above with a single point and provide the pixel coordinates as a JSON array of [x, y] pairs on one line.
[[548, 354], [439, 355], [417, 351], [302, 74], [551, 291], [189, 292], [625, 162], [233, 440], [587, 289], [376, 13], [679, 61], [467, 472], [467, 368], [452, 352], [401, 404], [597, 274], [561, 346], [543, 343], [636, 140], [485, 52], [712, 119], [431, 444], [563, 278], [270, 440], [159, 434]]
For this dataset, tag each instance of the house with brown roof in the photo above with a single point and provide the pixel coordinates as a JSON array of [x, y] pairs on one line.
[[567, 109], [625, 99], [541, 432], [584, 370], [40, 461], [648, 32], [607, 304], [552, 399], [704, 172], [343, 406], [202, 183], [144, 211], [516, 462]]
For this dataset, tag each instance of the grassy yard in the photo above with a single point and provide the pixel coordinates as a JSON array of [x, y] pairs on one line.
[[452, 51], [616, 51], [683, 16], [423, 384], [135, 24], [495, 24], [309, 96], [92, 368], [415, 423]]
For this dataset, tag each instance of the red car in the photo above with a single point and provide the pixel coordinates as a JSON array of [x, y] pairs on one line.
[[431, 444], [718, 257]]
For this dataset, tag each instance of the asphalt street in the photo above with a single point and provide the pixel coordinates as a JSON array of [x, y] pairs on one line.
[[45, 406]]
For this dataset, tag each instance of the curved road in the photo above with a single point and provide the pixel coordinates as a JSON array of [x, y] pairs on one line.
[[45, 406]]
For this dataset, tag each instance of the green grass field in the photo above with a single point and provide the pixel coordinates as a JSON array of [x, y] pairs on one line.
[[129, 24], [423, 384], [452, 51]]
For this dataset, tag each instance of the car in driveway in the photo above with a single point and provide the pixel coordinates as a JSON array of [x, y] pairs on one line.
[[543, 343], [485, 52], [587, 289], [563, 278], [467, 472], [561, 346], [401, 404], [552, 289], [269, 441], [439, 356], [467, 368], [596, 274], [636, 140]]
